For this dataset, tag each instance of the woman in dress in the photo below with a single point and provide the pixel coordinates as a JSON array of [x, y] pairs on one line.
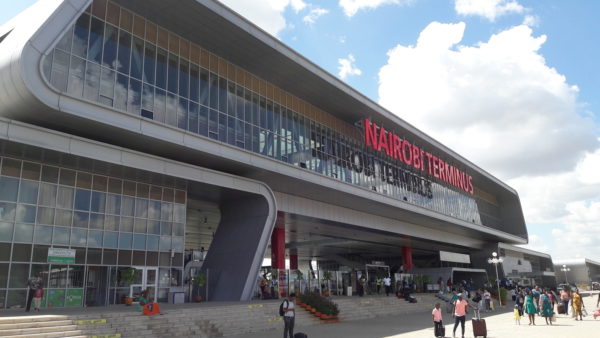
[[577, 304], [530, 308], [546, 307]]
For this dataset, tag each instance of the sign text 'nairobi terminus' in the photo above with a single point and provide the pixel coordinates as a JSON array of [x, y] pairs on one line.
[[381, 140]]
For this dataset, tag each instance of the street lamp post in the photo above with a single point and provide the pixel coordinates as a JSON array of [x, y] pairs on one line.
[[565, 269], [496, 260]]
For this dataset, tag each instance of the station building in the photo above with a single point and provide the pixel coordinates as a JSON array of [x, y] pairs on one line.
[[137, 134], [579, 271]]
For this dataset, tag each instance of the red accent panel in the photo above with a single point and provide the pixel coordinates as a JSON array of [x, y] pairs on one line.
[[293, 262], [278, 248], [407, 260]]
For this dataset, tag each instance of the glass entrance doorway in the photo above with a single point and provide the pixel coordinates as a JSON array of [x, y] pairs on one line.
[[96, 286], [145, 279]]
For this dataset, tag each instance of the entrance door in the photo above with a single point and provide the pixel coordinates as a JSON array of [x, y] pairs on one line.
[[148, 281], [96, 287]]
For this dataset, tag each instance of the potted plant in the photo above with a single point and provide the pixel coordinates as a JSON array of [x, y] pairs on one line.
[[199, 281], [327, 279], [128, 277]]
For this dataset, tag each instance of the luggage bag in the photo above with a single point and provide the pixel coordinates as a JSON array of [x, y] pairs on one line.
[[479, 328], [440, 330], [300, 335], [561, 309]]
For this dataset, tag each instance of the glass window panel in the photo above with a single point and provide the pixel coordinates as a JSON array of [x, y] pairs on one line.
[[182, 113], [107, 86], [178, 229], [109, 257], [154, 227], [194, 82], [23, 233], [47, 195], [58, 277], [61, 235], [152, 243], [67, 177], [166, 211], [31, 171], [203, 121], [139, 257], [19, 274], [115, 185], [139, 242], [76, 273], [165, 243], [111, 223], [7, 211], [94, 256], [11, 167], [84, 180], [80, 40], [5, 251], [3, 280], [173, 71], [165, 228], [98, 201], [81, 219], [149, 63], [26, 213], [9, 188], [6, 232], [141, 207], [65, 197], [184, 78], [65, 40], [160, 102], [125, 241], [109, 57], [95, 238], [126, 224], [161, 68], [60, 70], [213, 90], [21, 252], [127, 205], [40, 252], [222, 95], [29, 192], [76, 75], [110, 239], [179, 212], [96, 39], [43, 234], [92, 82], [140, 225], [137, 56], [193, 117], [171, 113], [124, 257], [121, 92], [148, 100], [45, 215], [79, 237], [135, 97], [63, 217], [154, 209], [96, 221], [82, 199], [178, 244], [124, 52], [204, 87], [113, 204], [16, 298]]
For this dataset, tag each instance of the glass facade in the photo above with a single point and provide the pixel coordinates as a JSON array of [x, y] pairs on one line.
[[115, 58], [111, 223]]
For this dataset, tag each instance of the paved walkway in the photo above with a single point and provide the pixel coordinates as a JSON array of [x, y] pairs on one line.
[[500, 324]]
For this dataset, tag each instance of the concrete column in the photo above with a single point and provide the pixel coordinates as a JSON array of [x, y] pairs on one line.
[[278, 248]]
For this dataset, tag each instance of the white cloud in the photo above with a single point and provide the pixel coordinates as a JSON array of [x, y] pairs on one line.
[[314, 14], [531, 20], [500, 105], [347, 67], [351, 7], [489, 9], [298, 5]]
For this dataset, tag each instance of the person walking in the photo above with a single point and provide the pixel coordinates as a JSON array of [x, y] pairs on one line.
[[517, 315], [564, 298], [521, 302], [460, 313], [289, 315], [577, 303], [546, 307], [530, 309], [37, 298], [387, 282], [378, 283], [487, 298], [438, 326], [33, 283]]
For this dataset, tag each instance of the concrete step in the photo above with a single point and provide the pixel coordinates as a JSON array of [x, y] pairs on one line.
[[19, 325]]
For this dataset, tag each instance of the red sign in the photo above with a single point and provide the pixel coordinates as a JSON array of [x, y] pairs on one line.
[[381, 140]]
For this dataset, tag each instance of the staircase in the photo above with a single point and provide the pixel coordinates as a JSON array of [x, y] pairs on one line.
[[353, 308], [53, 326]]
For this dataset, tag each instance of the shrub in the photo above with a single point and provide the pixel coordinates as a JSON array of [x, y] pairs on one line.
[[320, 303]]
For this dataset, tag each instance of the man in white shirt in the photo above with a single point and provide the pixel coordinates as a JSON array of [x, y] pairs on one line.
[[289, 313], [387, 281], [487, 298]]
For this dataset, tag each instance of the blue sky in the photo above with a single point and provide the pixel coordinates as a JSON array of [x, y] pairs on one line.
[[512, 85]]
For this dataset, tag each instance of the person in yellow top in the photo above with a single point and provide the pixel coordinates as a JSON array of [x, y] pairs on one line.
[[577, 304], [517, 315]]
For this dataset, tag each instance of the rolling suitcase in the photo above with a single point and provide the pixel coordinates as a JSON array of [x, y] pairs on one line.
[[300, 335], [561, 309], [479, 328], [439, 330]]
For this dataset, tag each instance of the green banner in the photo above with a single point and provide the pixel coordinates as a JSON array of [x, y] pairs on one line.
[[74, 297], [64, 256], [55, 298]]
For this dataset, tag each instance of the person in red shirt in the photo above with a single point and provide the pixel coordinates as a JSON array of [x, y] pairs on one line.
[[460, 313]]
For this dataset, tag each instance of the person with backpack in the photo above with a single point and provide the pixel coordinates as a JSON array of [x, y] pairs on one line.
[[287, 311]]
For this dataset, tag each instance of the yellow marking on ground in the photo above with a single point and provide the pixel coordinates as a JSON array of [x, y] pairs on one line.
[[274, 319], [90, 321], [256, 306]]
